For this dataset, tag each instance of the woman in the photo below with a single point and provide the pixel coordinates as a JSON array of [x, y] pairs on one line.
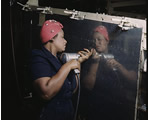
[[109, 83], [53, 81], [101, 40]]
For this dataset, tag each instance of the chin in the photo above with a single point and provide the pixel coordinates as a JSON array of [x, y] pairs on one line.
[[99, 50], [62, 50]]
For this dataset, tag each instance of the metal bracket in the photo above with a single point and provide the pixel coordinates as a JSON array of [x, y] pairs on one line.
[[26, 7], [125, 24], [74, 14], [46, 10]]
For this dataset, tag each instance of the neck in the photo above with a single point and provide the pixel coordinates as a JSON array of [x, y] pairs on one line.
[[50, 48], [106, 51]]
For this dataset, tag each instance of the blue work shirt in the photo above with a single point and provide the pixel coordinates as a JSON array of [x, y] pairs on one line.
[[113, 95], [60, 107]]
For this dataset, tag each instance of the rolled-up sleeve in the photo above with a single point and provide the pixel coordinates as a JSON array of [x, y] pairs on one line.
[[40, 67]]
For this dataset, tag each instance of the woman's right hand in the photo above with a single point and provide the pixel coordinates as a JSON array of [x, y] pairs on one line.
[[74, 64], [95, 55]]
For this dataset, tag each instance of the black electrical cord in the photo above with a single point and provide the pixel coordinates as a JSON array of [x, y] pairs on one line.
[[78, 99], [13, 53]]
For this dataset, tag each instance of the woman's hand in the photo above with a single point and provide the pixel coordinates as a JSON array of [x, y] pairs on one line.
[[74, 64], [84, 55], [113, 64], [95, 55]]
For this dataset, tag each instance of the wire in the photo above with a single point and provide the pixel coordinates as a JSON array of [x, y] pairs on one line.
[[13, 53], [78, 99]]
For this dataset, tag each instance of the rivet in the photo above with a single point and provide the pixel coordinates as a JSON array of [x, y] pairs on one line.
[[52, 31]]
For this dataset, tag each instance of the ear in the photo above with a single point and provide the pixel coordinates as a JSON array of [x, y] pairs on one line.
[[107, 41], [51, 41]]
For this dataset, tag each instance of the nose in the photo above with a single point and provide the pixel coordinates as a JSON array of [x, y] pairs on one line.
[[98, 42], [65, 41]]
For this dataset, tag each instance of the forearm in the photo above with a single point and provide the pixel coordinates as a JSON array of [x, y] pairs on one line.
[[90, 77], [130, 75], [54, 84]]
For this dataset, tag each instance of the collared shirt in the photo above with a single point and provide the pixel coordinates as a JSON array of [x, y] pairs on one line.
[[44, 64]]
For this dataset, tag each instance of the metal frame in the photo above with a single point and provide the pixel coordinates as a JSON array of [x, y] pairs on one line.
[[125, 23]]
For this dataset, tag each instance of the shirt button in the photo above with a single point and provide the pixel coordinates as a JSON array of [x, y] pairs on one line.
[[69, 82]]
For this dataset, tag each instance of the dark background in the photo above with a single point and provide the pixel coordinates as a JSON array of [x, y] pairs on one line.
[[13, 50]]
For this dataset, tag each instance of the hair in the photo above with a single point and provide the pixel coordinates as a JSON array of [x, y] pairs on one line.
[[51, 40], [55, 36]]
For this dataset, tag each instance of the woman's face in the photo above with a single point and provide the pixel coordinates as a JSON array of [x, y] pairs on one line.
[[59, 42], [100, 42]]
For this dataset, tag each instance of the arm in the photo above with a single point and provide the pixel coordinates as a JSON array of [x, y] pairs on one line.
[[47, 87], [90, 77], [128, 74]]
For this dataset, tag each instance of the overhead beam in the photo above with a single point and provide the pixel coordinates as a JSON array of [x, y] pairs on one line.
[[128, 3]]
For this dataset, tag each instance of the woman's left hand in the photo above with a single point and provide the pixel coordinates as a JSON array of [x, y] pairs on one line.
[[84, 55], [112, 63]]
